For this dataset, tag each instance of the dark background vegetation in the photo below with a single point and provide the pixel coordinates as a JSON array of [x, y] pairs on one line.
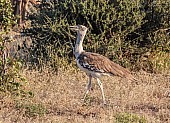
[[134, 34]]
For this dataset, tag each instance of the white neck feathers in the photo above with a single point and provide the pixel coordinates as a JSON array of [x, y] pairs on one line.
[[79, 44]]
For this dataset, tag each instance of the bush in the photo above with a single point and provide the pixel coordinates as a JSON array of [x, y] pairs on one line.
[[125, 31], [7, 18], [10, 78]]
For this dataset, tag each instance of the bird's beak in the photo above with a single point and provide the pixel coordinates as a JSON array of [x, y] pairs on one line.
[[74, 28]]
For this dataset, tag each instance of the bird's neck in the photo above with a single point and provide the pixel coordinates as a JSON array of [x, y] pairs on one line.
[[79, 45]]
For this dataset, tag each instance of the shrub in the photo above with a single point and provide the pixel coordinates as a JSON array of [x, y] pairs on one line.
[[10, 78], [7, 18]]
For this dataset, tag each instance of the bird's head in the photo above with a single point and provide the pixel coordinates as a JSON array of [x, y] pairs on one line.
[[80, 29]]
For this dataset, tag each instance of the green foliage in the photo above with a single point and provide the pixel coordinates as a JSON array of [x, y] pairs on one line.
[[161, 61], [10, 78], [7, 18], [129, 118], [123, 30]]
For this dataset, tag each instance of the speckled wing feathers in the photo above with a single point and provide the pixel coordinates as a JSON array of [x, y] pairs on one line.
[[98, 63]]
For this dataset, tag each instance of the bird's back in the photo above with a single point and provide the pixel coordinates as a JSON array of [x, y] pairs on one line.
[[96, 63]]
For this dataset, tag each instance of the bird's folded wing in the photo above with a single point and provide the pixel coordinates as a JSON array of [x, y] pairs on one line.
[[98, 63]]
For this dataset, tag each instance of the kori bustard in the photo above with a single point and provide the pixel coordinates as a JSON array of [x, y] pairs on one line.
[[95, 65]]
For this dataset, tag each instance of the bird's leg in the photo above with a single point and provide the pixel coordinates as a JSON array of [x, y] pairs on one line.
[[88, 87], [101, 87]]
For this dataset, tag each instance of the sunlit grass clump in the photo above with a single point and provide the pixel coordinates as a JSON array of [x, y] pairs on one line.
[[129, 118]]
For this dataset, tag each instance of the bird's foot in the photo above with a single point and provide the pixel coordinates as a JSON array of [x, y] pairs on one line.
[[104, 103]]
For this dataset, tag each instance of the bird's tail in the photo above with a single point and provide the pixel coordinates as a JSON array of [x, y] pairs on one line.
[[131, 77], [122, 72]]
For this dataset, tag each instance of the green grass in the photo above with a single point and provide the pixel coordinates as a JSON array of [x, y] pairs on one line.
[[31, 109], [129, 118]]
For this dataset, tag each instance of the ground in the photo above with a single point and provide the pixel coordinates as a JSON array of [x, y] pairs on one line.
[[57, 98]]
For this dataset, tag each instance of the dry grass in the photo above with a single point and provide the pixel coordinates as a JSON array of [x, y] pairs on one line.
[[57, 98]]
